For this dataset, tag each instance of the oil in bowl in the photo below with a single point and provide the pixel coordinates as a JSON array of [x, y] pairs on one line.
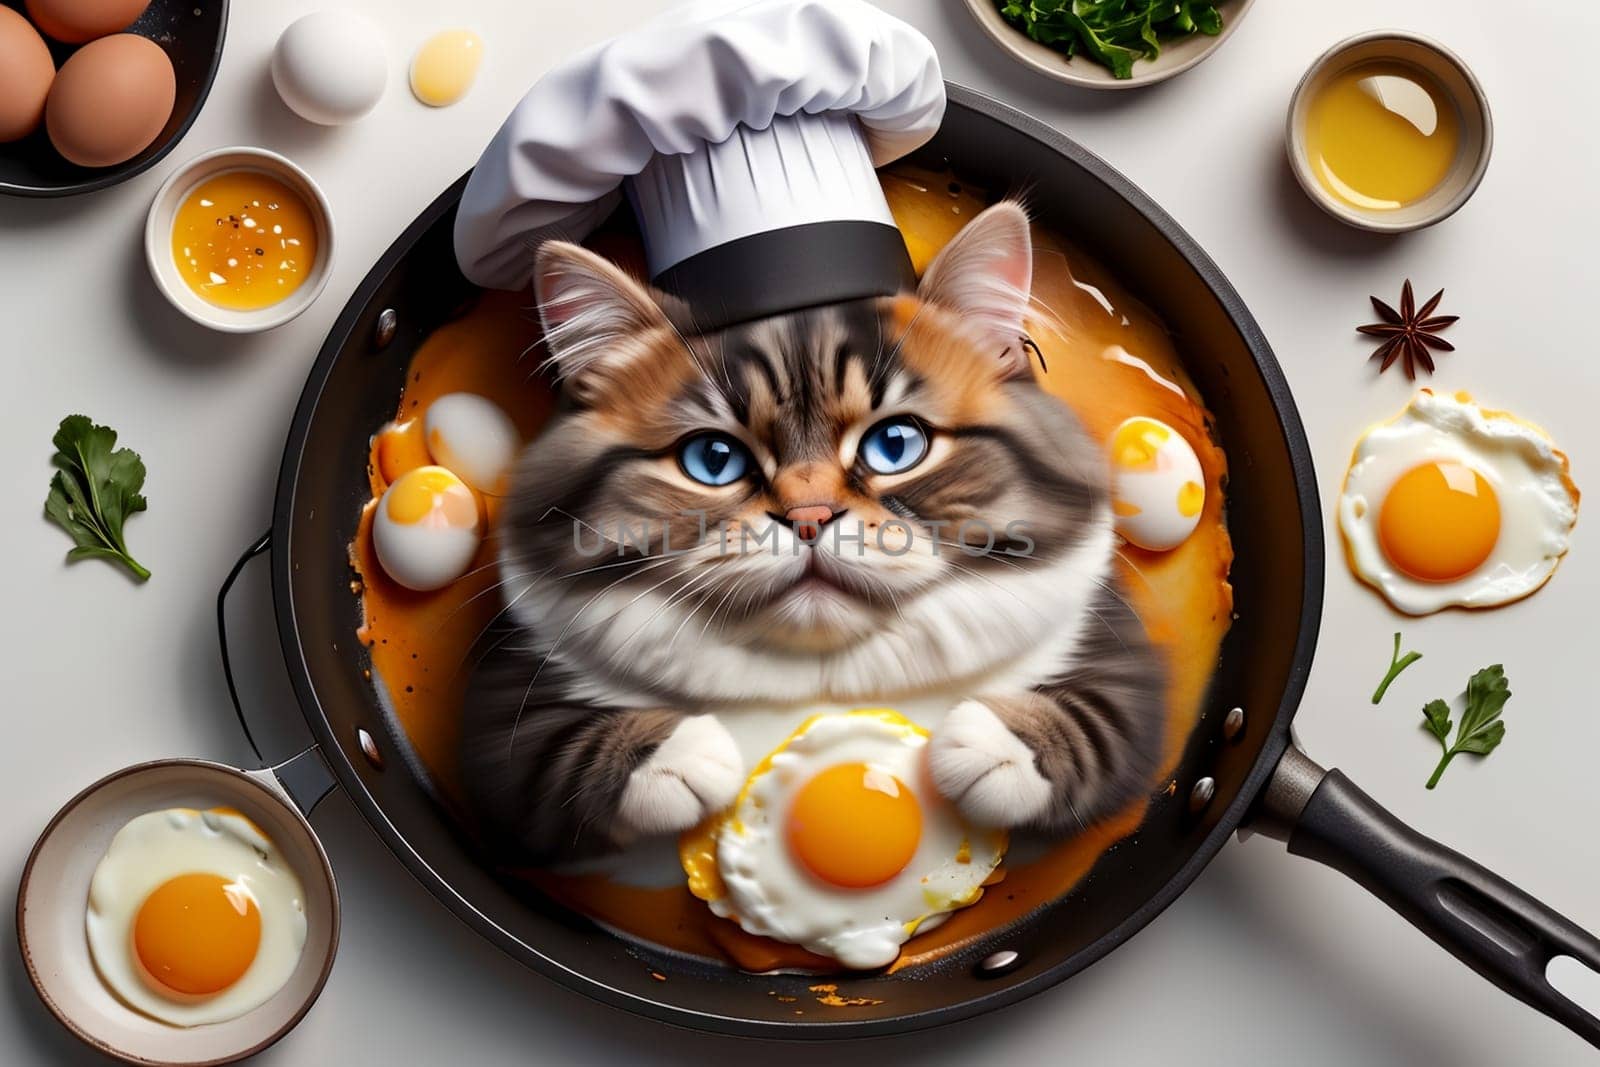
[[1389, 131], [244, 240], [1382, 135]]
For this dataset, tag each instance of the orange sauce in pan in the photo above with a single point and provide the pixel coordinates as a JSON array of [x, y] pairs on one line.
[[1108, 357], [420, 644]]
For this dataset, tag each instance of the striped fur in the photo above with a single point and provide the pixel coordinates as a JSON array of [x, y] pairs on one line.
[[590, 724]]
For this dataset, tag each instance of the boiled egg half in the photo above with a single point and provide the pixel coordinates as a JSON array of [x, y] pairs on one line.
[[474, 437], [427, 528], [1158, 487]]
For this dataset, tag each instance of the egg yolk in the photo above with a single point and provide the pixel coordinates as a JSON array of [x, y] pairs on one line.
[[197, 933], [244, 240], [401, 447], [432, 496], [1439, 521], [854, 826], [1137, 442]]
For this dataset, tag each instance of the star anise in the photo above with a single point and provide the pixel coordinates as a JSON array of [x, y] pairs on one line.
[[1409, 332]]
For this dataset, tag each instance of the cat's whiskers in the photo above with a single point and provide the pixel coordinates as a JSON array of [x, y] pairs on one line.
[[591, 627], [733, 587], [689, 615], [492, 587], [556, 644], [488, 627], [997, 557], [677, 596]]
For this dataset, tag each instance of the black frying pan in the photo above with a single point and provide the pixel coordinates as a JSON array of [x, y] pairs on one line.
[[1239, 768]]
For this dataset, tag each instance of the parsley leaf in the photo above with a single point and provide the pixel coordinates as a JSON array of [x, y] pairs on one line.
[[1397, 663], [1114, 33], [95, 488], [1481, 729]]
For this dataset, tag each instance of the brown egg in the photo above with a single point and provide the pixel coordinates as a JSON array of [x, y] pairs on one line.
[[26, 71], [110, 100], [77, 21]]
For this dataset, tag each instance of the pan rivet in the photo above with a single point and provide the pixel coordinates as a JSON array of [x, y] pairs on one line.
[[1201, 794], [1233, 725], [369, 749], [998, 963], [384, 333]]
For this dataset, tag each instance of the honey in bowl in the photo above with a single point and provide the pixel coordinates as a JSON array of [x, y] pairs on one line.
[[1381, 136], [244, 240]]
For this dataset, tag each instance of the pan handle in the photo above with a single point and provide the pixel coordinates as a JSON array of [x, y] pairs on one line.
[[1478, 917], [303, 777]]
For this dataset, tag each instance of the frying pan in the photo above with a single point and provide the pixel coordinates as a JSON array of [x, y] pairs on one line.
[[1239, 769]]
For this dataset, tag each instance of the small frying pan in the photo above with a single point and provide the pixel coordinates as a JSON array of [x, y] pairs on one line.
[[55, 885], [1238, 769]]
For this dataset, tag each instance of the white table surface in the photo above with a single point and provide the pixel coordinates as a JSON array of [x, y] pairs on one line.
[[1267, 957]]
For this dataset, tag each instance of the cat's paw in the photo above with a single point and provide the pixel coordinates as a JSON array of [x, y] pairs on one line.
[[986, 770], [697, 770]]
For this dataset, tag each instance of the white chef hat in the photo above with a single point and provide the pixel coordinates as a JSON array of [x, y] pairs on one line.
[[745, 135]]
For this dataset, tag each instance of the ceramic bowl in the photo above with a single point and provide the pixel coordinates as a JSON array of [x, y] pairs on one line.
[[1459, 85], [158, 239], [55, 890], [191, 34], [1176, 56]]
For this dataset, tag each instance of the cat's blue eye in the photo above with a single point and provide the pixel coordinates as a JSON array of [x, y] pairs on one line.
[[894, 445], [714, 459]]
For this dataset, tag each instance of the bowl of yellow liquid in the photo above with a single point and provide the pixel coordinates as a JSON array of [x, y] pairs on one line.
[[240, 239], [1389, 131]]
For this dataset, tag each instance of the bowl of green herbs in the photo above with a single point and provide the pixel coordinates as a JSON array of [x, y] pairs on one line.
[[1109, 44]]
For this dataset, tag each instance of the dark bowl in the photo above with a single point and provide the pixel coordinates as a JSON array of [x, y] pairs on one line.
[[191, 33]]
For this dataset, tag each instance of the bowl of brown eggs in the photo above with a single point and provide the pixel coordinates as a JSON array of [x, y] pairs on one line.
[[93, 92]]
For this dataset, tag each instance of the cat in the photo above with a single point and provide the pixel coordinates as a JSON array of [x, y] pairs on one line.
[[596, 721]]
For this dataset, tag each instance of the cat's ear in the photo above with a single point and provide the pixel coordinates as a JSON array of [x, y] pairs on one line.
[[985, 275], [590, 309]]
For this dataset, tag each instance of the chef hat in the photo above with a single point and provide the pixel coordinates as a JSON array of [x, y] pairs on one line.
[[744, 134]]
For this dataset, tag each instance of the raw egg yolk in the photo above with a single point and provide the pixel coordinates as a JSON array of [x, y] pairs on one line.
[[854, 826], [1439, 521], [197, 933], [432, 496], [401, 448]]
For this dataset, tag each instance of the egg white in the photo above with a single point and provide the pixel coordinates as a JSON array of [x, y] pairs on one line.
[[474, 437], [1526, 471], [769, 893], [162, 845], [1158, 524], [421, 557]]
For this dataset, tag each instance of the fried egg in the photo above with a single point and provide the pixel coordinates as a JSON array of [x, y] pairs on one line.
[[839, 843], [1449, 504], [194, 917], [427, 528], [1158, 487]]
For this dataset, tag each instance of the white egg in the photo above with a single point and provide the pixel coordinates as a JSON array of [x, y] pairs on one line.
[[1448, 504], [472, 436], [1158, 486], [194, 917], [427, 528], [840, 843], [330, 67]]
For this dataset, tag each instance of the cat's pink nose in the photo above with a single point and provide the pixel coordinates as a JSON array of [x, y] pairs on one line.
[[809, 520]]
